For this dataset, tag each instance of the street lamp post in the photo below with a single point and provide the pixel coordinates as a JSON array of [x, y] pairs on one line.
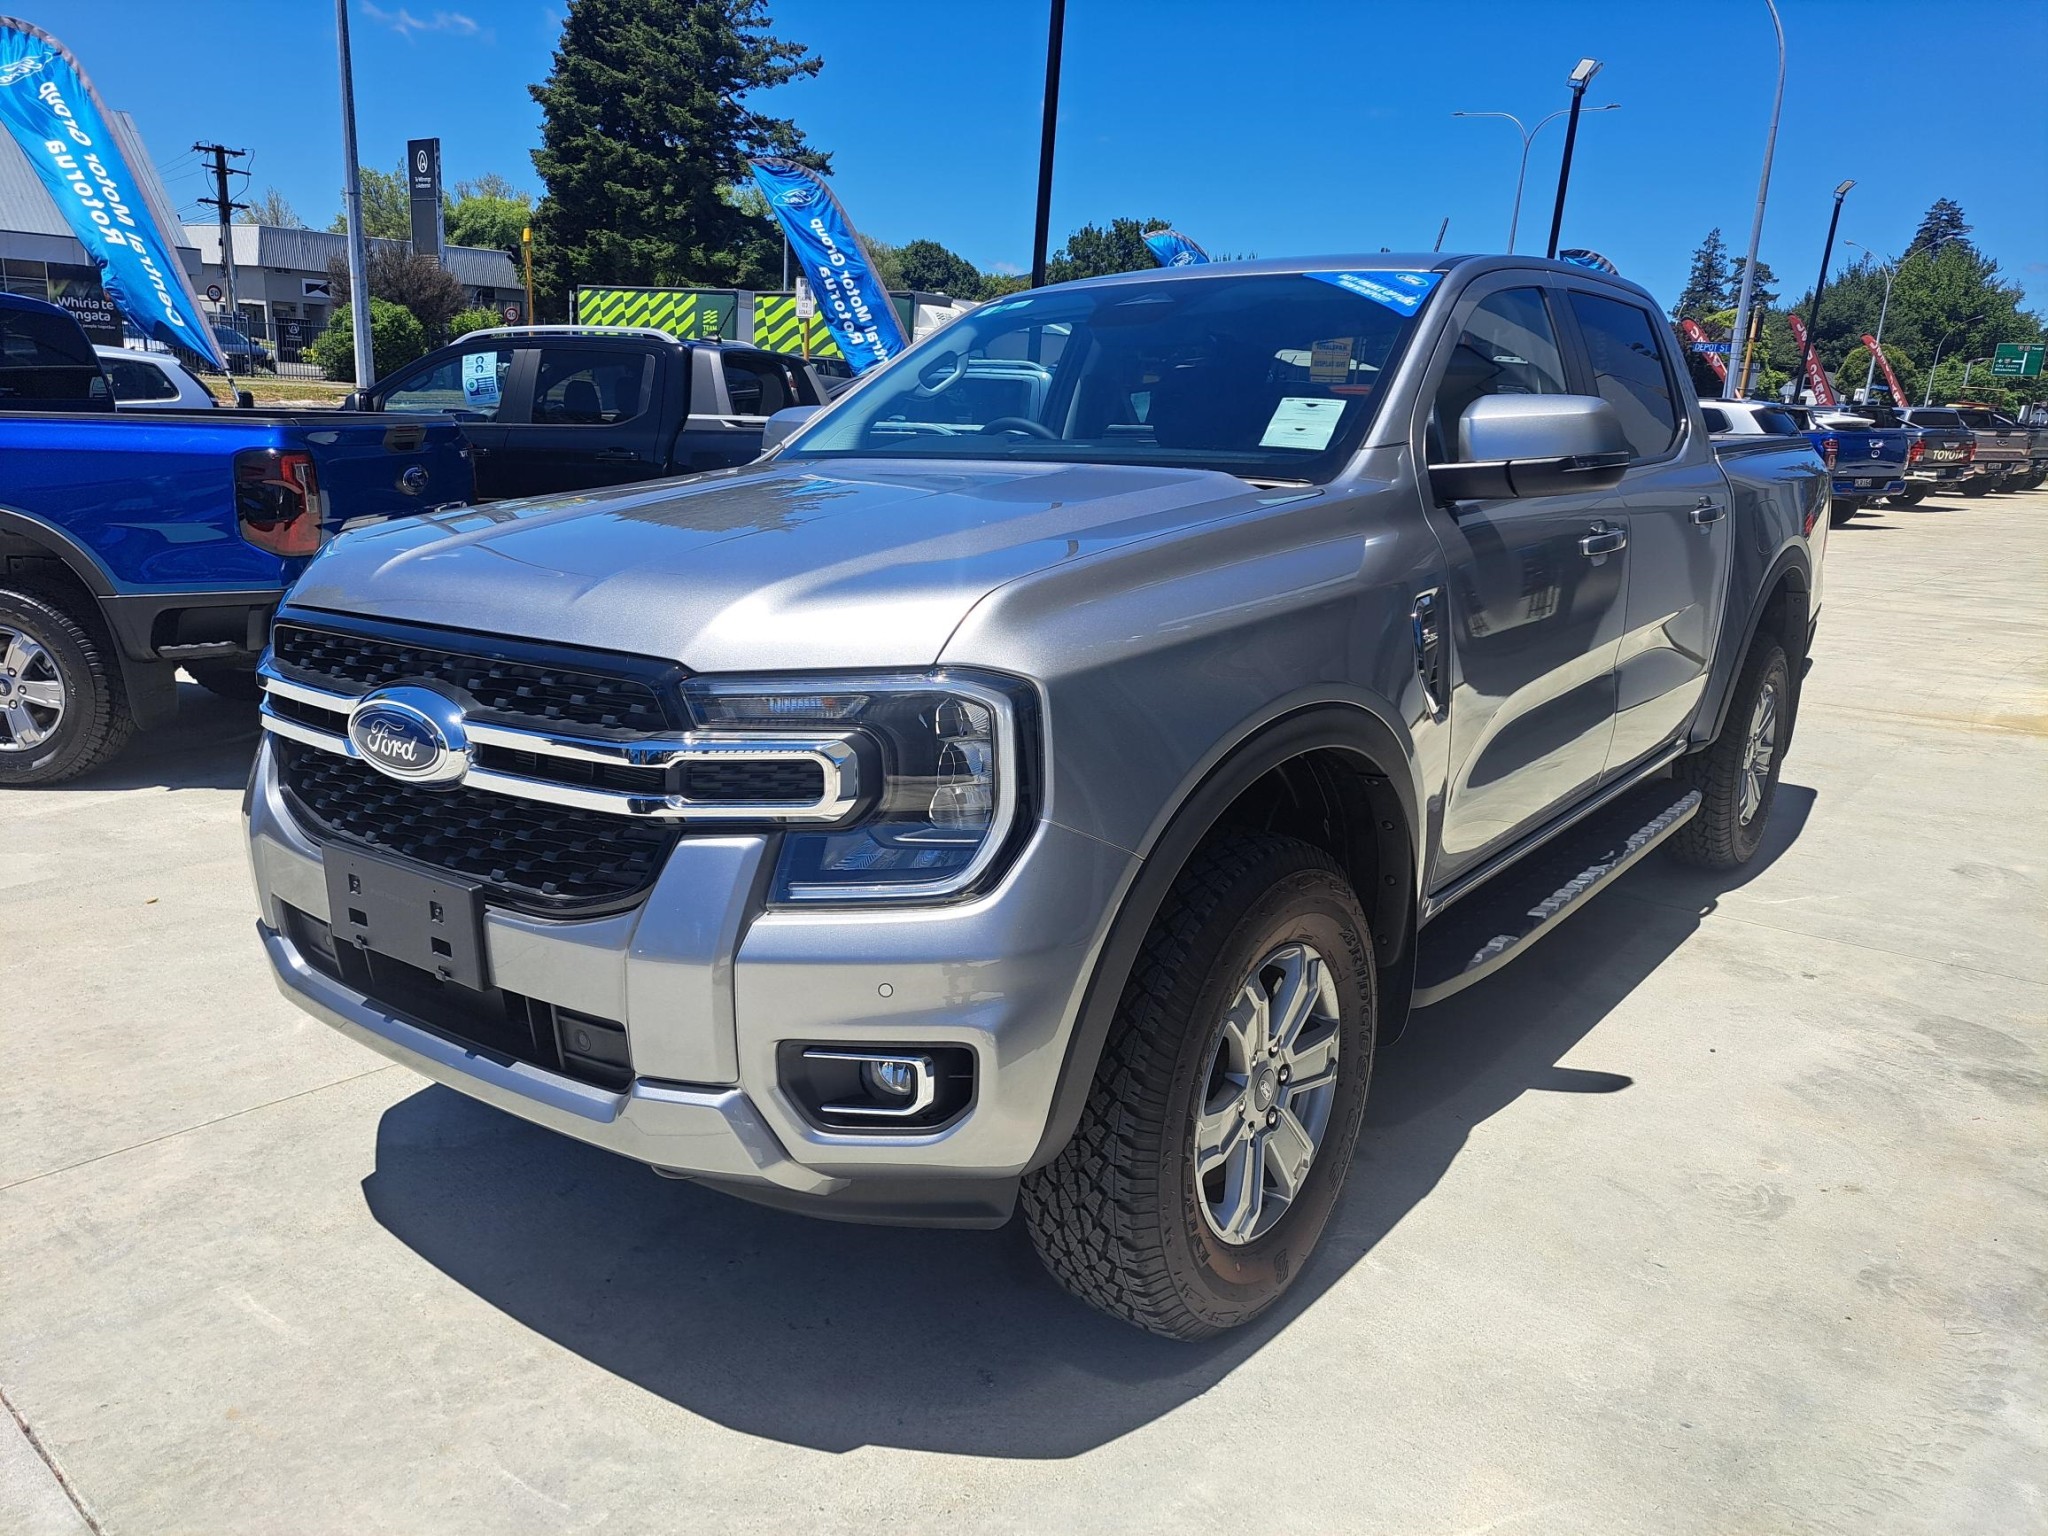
[[1048, 132], [1738, 376], [1581, 76], [1827, 252], [352, 205], [1891, 275], [1528, 138], [1927, 395]]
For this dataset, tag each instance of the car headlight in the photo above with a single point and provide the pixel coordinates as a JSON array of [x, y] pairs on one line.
[[947, 775]]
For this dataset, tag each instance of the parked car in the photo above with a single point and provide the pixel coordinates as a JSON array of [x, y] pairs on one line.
[[1941, 453], [152, 381], [135, 543], [1868, 461], [2004, 458], [956, 809], [568, 408]]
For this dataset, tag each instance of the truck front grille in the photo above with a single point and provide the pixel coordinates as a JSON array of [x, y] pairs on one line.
[[528, 854], [516, 692]]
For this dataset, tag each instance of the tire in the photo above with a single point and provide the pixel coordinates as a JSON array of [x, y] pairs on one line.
[[1120, 1217], [1907, 498], [228, 682], [73, 714], [1735, 803], [1839, 513], [1978, 485]]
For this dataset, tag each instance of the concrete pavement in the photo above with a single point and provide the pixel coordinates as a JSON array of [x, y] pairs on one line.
[[1721, 1212]]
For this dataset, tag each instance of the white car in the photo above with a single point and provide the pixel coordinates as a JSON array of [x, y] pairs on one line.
[[1749, 418], [152, 381]]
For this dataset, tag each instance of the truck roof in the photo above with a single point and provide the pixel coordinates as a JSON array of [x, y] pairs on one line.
[[1471, 264]]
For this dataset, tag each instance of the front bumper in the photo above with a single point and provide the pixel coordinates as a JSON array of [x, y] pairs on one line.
[[708, 983]]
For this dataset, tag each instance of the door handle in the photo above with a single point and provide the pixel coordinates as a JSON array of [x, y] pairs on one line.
[[1708, 512], [1603, 541], [1429, 650], [617, 455]]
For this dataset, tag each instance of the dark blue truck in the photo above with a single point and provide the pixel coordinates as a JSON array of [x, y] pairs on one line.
[[133, 545], [1867, 461]]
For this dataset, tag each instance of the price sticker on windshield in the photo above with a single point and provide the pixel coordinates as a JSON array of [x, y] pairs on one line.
[[1303, 421], [1329, 362], [480, 379]]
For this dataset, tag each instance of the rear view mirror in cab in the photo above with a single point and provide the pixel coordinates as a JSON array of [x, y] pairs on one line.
[[1533, 445], [784, 425]]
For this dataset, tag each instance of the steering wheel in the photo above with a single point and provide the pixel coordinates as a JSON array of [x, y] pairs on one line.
[[1023, 424], [925, 389]]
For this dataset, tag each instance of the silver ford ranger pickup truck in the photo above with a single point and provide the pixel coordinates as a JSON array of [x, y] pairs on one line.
[[1052, 772]]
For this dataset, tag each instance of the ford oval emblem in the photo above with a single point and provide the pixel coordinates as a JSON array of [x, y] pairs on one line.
[[412, 734], [413, 481]]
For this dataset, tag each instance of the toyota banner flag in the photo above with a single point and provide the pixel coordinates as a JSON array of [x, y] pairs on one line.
[[64, 131], [1171, 248], [851, 300], [1816, 375], [1890, 378]]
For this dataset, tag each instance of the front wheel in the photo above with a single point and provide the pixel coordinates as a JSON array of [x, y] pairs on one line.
[[62, 709], [1980, 485], [1227, 1104], [1737, 776]]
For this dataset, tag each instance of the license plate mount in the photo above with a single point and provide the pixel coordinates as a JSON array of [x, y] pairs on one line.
[[429, 921]]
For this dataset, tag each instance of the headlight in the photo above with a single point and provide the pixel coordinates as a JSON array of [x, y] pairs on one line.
[[948, 777]]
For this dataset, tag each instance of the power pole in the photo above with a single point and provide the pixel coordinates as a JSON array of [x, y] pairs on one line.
[[352, 204], [226, 208]]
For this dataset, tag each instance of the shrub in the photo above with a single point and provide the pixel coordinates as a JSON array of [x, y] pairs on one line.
[[481, 318], [396, 338]]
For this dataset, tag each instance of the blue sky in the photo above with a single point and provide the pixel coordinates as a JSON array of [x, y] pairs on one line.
[[1280, 129]]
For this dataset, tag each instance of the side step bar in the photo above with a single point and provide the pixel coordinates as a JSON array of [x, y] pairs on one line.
[[1524, 902]]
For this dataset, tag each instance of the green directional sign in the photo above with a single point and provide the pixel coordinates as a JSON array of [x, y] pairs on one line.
[[2015, 360]]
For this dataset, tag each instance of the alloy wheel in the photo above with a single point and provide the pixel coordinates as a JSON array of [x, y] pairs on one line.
[[31, 692], [1759, 752]]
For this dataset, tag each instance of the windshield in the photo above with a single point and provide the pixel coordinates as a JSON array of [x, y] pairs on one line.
[[1268, 377]]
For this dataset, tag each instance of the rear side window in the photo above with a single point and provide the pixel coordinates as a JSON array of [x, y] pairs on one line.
[[469, 384], [759, 386], [1717, 420], [589, 387], [140, 381], [1937, 419], [1630, 371], [1507, 347], [1778, 422], [46, 360]]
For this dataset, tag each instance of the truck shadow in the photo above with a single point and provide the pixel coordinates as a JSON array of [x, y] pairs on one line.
[[834, 1337], [209, 746]]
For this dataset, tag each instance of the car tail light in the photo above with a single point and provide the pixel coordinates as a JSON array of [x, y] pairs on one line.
[[1828, 449], [277, 499], [1915, 451], [1970, 451]]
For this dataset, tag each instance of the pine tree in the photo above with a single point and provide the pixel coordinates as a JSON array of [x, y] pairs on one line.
[[1942, 224], [645, 136], [1706, 285], [1765, 294]]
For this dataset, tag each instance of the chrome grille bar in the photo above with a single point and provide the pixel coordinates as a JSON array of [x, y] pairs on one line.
[[836, 756]]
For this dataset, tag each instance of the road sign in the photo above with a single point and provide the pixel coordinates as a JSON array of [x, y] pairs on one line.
[[2013, 360], [511, 314], [1719, 347], [806, 301], [213, 292]]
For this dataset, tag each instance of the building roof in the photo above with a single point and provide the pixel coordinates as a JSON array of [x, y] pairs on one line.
[[309, 250], [26, 208]]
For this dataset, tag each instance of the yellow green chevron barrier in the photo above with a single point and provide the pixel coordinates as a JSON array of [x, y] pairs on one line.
[[695, 314], [777, 328]]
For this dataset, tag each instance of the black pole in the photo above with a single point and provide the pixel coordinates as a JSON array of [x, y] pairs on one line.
[[1813, 310], [1048, 130], [1564, 166]]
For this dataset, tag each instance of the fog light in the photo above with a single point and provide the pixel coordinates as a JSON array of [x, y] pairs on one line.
[[891, 1077]]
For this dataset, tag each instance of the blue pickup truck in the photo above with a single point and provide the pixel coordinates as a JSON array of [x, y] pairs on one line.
[[133, 545], [1868, 461]]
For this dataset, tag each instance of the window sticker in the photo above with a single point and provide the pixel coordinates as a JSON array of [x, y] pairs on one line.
[[1402, 292], [480, 378], [1329, 362], [1303, 421]]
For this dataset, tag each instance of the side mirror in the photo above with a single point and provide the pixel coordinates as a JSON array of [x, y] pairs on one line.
[[1533, 445], [245, 400], [784, 425], [352, 401]]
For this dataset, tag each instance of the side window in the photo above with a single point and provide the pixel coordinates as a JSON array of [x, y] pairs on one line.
[[758, 385], [590, 387], [1717, 419], [469, 384], [1630, 371], [1508, 347], [140, 381]]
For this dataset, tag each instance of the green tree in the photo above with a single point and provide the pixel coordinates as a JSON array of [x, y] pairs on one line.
[[396, 338], [1940, 225], [488, 213], [646, 131], [272, 209], [467, 320], [1766, 292], [1094, 252], [414, 280], [1706, 285], [929, 267], [387, 206]]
